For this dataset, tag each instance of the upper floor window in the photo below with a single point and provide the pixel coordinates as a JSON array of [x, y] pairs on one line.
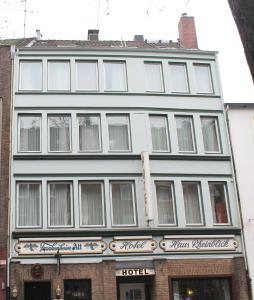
[[210, 134], [165, 203], [179, 79], [89, 133], [203, 78], [219, 202], [115, 76], [185, 133], [60, 204], [30, 75], [29, 133], [119, 132], [159, 132], [154, 79], [28, 204], [87, 75], [59, 75], [59, 133]]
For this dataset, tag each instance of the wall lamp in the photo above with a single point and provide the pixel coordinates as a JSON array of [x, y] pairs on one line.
[[14, 292]]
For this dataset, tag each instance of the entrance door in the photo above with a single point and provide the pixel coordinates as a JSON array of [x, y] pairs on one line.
[[37, 291], [132, 291]]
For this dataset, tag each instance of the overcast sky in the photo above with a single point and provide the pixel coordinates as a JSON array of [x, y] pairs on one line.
[[121, 19]]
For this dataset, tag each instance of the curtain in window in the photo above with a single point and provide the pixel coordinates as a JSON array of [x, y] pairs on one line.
[[30, 75], [91, 203], [87, 77], [60, 204], [89, 133], [118, 133], [122, 202], [115, 76], [165, 203], [29, 204], [59, 75], [153, 77], [203, 79], [29, 139], [210, 134], [191, 203], [184, 133], [59, 127], [159, 133], [218, 200], [179, 78]]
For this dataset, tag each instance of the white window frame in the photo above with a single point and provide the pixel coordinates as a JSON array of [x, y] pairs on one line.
[[125, 75], [97, 74], [17, 203], [217, 133], [186, 77], [71, 199], [162, 90], [102, 199], [210, 78], [167, 133], [192, 134], [70, 132], [19, 79], [133, 203], [48, 75], [19, 137]]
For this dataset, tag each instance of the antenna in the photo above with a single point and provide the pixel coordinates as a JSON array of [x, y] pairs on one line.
[[24, 18]]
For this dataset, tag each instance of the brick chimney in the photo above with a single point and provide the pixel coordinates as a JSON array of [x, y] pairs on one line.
[[187, 32], [93, 35]]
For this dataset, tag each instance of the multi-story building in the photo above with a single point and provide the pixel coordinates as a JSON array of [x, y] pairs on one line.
[[122, 185]]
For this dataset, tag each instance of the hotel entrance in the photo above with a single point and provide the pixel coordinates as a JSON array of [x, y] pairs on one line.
[[132, 291]]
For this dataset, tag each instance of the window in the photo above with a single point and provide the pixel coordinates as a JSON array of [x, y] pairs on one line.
[[60, 204], [87, 75], [203, 78], [210, 134], [179, 79], [30, 75], [159, 132], [165, 202], [154, 81], [199, 289], [29, 133], [219, 203], [185, 134], [59, 133], [78, 289], [119, 133], [122, 203], [191, 194], [58, 75], [115, 76], [89, 133], [91, 203], [29, 204]]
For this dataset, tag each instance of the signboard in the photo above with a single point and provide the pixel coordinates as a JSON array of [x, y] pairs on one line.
[[35, 247], [176, 244], [133, 245], [135, 272]]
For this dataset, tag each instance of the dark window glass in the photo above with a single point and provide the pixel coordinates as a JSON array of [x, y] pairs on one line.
[[77, 289]]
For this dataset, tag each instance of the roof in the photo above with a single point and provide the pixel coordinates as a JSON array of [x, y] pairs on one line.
[[23, 42], [239, 105]]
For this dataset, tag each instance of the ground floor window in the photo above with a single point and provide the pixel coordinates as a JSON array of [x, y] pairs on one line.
[[77, 289], [199, 289]]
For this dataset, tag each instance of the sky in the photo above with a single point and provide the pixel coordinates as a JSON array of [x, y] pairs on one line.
[[122, 19]]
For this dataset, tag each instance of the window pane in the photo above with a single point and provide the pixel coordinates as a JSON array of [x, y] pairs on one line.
[[58, 75], [91, 204], [191, 203], [59, 132], [218, 201], [203, 79], [184, 133], [60, 204], [89, 133], [30, 75], [118, 128], [115, 76], [122, 203], [179, 79], [153, 77], [165, 203], [29, 204], [77, 289], [29, 135], [209, 130], [159, 133], [87, 77]]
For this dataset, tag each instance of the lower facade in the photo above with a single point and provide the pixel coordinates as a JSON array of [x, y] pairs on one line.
[[157, 279]]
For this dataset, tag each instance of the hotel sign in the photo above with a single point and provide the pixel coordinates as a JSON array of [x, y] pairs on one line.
[[176, 244], [135, 272], [133, 245]]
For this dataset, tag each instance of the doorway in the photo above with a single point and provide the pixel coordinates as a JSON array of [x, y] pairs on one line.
[[132, 291], [37, 290]]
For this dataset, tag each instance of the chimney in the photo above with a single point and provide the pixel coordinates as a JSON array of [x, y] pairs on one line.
[[93, 35], [187, 32], [139, 37], [38, 34]]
